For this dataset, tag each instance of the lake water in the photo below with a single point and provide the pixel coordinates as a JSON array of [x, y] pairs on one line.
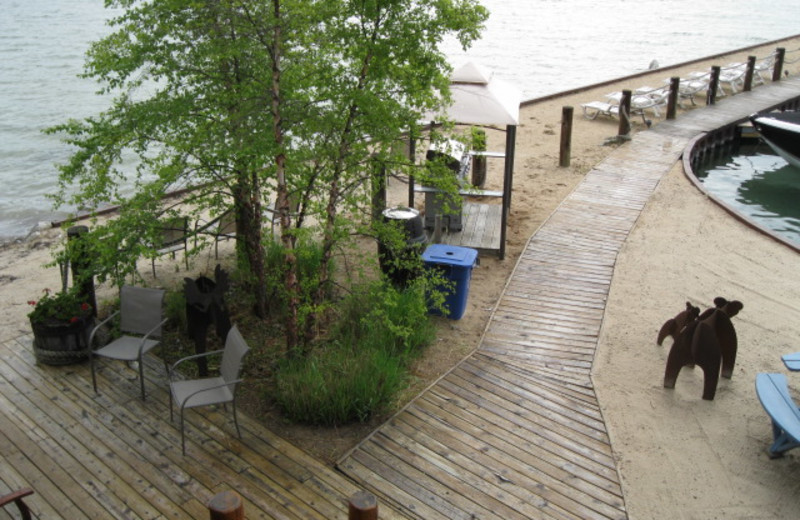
[[758, 184], [543, 46]]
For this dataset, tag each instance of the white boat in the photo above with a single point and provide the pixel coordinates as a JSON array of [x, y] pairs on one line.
[[781, 131]]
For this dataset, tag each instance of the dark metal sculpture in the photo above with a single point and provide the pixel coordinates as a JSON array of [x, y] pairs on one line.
[[673, 326], [205, 304], [708, 341]]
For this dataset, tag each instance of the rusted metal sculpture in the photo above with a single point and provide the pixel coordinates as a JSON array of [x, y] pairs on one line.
[[673, 326], [708, 341], [205, 303]]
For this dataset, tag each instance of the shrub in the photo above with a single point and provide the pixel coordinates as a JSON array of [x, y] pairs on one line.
[[309, 260], [337, 385], [361, 369]]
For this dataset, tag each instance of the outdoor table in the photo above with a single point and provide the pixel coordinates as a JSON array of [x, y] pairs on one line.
[[792, 361]]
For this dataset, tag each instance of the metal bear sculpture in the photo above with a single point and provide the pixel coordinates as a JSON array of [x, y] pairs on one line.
[[708, 341], [205, 303], [673, 326]]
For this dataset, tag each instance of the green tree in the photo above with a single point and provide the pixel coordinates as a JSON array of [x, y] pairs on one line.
[[240, 100]]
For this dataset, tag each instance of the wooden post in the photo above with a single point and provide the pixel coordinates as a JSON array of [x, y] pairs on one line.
[[437, 229], [625, 113], [748, 73], [363, 506], [780, 54], [713, 85], [566, 137], [508, 181], [672, 102], [226, 506]]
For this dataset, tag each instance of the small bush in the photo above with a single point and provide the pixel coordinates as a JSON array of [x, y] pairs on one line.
[[175, 309], [309, 261], [337, 385], [361, 369]]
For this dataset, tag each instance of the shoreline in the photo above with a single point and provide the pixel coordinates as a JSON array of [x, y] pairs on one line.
[[42, 224]]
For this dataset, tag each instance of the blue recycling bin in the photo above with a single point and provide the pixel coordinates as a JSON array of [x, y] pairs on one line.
[[455, 264]]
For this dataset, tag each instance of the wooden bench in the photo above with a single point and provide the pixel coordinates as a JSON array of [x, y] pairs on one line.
[[773, 392]]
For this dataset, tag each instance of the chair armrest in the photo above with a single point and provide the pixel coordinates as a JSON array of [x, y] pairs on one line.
[[97, 327], [193, 356], [150, 332], [16, 497]]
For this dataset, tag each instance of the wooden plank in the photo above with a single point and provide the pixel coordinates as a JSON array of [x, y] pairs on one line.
[[303, 500], [472, 434]]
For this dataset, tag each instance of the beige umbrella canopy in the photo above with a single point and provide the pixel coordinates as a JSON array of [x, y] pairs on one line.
[[481, 99]]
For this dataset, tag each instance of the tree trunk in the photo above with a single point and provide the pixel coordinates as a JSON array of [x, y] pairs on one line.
[[282, 205]]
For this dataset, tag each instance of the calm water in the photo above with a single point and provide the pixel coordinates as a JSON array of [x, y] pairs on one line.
[[760, 185], [543, 46]]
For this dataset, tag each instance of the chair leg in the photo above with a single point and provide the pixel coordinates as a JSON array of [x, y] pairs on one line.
[[183, 435], [141, 376], [94, 377], [235, 420]]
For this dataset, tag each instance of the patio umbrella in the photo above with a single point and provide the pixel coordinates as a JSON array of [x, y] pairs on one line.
[[481, 99]]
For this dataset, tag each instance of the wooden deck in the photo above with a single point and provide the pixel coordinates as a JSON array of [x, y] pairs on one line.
[[515, 430], [480, 227], [111, 455]]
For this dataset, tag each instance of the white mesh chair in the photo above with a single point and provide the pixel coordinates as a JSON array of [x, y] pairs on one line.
[[209, 391], [141, 320]]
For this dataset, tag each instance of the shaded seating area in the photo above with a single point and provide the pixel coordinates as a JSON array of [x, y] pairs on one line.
[[478, 98]]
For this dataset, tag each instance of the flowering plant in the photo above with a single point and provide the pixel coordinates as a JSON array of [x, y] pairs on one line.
[[63, 307]]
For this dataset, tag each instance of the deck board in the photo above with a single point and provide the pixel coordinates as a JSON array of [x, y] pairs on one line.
[[521, 410], [480, 227], [110, 455]]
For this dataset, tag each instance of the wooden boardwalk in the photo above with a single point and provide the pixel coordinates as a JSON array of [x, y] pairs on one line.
[[515, 431]]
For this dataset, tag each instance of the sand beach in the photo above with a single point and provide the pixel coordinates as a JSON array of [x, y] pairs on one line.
[[678, 455]]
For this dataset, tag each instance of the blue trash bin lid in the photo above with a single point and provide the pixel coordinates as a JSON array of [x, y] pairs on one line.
[[450, 255]]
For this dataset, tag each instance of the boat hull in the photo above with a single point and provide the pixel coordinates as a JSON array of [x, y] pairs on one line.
[[781, 131]]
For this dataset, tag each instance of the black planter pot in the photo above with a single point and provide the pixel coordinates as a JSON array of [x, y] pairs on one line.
[[59, 343]]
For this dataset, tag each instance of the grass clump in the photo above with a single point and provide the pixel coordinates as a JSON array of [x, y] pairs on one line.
[[358, 372]]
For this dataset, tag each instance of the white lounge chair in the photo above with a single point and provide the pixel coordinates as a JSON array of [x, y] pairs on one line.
[[599, 108], [732, 75]]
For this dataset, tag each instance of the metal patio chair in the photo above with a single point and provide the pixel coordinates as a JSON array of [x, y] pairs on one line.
[[193, 393], [141, 321]]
